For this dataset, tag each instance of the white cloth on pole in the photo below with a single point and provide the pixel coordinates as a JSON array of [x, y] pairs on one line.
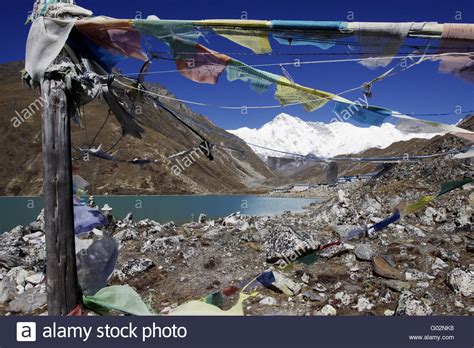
[[46, 39]]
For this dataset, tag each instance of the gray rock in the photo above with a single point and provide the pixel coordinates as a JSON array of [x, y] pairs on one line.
[[134, 267], [126, 234], [9, 261], [397, 285], [415, 275], [213, 233], [364, 252], [335, 250], [36, 226], [268, 301], [28, 302], [36, 278], [7, 290], [202, 218], [363, 304], [285, 284], [162, 244], [286, 245], [18, 275], [327, 310], [470, 246], [461, 281], [438, 265], [409, 305], [383, 268], [260, 234], [312, 296]]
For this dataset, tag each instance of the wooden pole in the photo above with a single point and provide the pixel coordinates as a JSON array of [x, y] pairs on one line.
[[61, 276]]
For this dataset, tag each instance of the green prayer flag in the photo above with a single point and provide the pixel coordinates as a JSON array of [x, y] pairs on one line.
[[121, 298], [452, 185]]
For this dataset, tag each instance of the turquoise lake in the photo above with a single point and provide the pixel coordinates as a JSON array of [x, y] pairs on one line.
[[180, 209]]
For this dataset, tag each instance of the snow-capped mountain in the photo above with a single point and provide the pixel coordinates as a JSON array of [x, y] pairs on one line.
[[292, 134]]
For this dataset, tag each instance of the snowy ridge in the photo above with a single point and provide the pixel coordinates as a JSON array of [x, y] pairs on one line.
[[292, 134]]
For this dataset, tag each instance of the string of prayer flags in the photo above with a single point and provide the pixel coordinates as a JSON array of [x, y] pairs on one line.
[[379, 42], [322, 34], [198, 63], [289, 93], [120, 298], [259, 80], [384, 223], [255, 40], [205, 309], [266, 278], [168, 30], [448, 186], [116, 36], [215, 299], [457, 37], [418, 205], [374, 116]]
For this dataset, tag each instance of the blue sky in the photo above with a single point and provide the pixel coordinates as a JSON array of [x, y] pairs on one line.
[[420, 90]]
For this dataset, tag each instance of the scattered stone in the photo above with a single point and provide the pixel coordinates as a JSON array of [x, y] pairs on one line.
[[9, 261], [213, 233], [409, 305], [415, 275], [470, 246], [384, 269], [335, 250], [461, 281], [397, 285], [287, 245], [327, 310], [202, 218], [305, 278], [7, 290], [388, 313], [438, 265], [134, 267], [320, 288], [364, 252], [126, 234], [312, 296], [363, 304], [457, 239], [36, 278], [28, 302], [344, 297], [268, 301], [285, 284]]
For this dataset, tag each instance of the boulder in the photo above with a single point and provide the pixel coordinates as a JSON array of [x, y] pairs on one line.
[[284, 243], [133, 267], [461, 281], [408, 304], [364, 252]]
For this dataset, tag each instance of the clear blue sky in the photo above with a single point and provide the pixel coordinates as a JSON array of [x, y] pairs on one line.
[[420, 90]]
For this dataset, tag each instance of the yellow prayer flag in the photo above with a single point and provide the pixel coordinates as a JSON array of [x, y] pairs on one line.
[[288, 93], [255, 40]]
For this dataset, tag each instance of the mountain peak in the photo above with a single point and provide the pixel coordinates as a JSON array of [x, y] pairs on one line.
[[292, 134]]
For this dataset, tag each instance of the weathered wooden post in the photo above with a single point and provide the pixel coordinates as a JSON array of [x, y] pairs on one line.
[[61, 276]]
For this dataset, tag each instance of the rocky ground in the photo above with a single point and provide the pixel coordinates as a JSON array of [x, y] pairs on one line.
[[420, 265]]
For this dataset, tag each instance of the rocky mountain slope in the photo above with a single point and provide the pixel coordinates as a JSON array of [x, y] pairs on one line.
[[290, 170], [21, 172]]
